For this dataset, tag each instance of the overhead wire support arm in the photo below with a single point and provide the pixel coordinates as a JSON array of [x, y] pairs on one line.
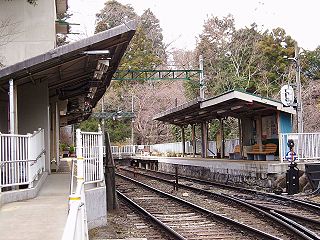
[[156, 74], [112, 115]]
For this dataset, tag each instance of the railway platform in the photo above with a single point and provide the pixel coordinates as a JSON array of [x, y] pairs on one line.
[[43, 217], [263, 173]]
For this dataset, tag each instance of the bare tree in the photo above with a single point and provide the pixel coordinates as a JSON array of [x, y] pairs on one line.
[[152, 99], [311, 106], [184, 59]]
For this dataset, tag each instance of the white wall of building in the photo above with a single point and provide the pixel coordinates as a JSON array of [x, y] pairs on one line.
[[31, 29], [33, 111]]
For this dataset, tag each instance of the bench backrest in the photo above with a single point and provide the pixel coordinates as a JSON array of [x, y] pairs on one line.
[[257, 148], [236, 149], [270, 147]]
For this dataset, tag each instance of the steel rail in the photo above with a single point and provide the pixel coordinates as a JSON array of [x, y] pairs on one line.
[[163, 226], [314, 206], [291, 225], [274, 214], [203, 210], [290, 215]]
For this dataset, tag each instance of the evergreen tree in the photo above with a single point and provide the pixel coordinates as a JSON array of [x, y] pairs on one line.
[[151, 26], [145, 51], [246, 58], [113, 14], [311, 64]]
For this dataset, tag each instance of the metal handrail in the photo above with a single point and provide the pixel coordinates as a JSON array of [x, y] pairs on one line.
[[76, 225], [14, 161], [36, 132], [25, 160]]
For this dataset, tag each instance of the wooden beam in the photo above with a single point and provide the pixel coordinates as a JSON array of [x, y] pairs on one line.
[[183, 141]]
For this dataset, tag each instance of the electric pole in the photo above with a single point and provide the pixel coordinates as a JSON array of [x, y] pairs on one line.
[[202, 87], [132, 122], [299, 98]]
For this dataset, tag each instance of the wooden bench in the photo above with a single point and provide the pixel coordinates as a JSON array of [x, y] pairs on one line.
[[262, 152], [236, 154]]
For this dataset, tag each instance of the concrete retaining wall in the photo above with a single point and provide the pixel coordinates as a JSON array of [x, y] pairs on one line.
[[23, 194], [255, 175], [96, 205]]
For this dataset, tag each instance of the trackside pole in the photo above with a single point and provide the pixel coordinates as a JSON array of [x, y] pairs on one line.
[[109, 175]]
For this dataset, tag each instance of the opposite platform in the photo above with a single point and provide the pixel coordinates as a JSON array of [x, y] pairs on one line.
[[222, 164]]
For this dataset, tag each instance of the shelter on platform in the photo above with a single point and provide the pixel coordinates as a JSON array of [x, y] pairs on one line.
[[261, 121], [59, 87]]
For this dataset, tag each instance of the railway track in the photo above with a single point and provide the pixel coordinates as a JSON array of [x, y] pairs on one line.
[[244, 205], [128, 223], [183, 219]]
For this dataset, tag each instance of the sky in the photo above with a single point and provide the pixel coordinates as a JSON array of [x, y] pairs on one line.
[[182, 21]]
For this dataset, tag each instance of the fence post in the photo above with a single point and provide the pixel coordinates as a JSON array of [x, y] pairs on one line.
[[280, 148], [0, 162], [29, 154], [80, 167], [100, 144], [43, 147], [78, 143]]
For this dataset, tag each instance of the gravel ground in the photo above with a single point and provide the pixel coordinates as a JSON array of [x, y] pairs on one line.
[[315, 198], [126, 224], [119, 226]]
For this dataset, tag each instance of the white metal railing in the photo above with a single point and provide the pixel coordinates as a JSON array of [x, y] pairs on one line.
[[91, 146], [128, 149], [36, 152], [89, 165], [307, 145], [21, 158], [115, 150], [175, 147], [76, 227]]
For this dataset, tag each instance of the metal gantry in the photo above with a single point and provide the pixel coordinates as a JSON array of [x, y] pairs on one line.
[[155, 75], [112, 115]]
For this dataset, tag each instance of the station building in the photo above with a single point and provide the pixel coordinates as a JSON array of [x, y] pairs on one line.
[[47, 87]]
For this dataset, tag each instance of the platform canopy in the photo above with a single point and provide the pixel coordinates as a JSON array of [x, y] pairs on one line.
[[77, 73], [234, 103]]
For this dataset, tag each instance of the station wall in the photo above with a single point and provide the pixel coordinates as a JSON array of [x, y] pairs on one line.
[[33, 111], [4, 98], [29, 30]]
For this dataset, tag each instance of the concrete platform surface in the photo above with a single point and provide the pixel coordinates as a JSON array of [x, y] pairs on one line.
[[43, 217]]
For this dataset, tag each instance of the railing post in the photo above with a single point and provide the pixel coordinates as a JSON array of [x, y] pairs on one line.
[[78, 143], [80, 167], [280, 147], [0, 162], [100, 145], [29, 154], [43, 148]]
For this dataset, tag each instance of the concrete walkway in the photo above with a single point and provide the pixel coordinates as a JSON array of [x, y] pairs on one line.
[[40, 218]]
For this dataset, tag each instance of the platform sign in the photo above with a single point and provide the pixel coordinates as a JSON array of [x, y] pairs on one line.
[[291, 156], [293, 136], [287, 95]]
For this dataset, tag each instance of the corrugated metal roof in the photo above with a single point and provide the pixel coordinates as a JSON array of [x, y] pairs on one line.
[[69, 71], [235, 103]]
